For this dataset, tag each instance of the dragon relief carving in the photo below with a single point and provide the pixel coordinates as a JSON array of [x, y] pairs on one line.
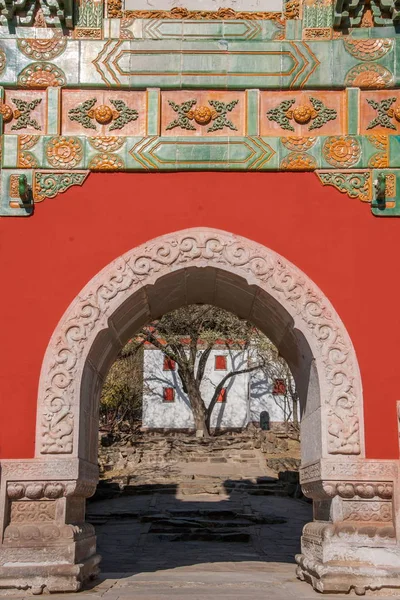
[[60, 383]]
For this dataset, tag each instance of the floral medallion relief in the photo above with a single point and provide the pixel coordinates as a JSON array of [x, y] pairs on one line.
[[41, 75], [302, 113], [203, 113], [380, 112], [99, 113], [59, 395], [24, 112]]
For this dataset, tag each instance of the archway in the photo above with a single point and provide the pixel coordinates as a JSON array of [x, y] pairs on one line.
[[214, 267]]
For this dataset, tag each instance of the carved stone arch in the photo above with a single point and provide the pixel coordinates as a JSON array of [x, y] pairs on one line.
[[61, 402], [353, 541]]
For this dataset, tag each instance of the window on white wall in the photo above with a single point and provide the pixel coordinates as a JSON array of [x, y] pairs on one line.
[[220, 362], [222, 395], [169, 364], [169, 394], [279, 388]]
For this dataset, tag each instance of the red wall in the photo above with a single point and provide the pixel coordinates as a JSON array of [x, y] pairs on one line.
[[46, 260]]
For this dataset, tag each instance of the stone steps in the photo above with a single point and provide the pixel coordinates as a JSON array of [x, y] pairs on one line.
[[193, 485], [192, 523]]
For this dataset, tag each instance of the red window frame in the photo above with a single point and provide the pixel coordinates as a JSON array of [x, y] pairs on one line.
[[220, 362], [169, 394], [169, 364], [279, 388], [222, 396]]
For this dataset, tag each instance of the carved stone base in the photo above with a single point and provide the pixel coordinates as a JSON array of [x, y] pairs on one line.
[[349, 556], [343, 578], [49, 578], [46, 545]]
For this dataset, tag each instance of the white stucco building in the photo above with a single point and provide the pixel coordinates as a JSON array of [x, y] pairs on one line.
[[245, 397]]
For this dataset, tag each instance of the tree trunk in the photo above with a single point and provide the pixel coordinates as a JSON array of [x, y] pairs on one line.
[[197, 405]]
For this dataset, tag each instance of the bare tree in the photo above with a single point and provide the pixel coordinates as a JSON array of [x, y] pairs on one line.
[[121, 396], [187, 336]]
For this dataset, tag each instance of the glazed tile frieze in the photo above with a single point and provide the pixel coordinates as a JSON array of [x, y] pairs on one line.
[[121, 88], [210, 63]]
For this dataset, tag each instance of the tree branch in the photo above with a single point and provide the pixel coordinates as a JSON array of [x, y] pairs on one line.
[[153, 340], [220, 386], [202, 364]]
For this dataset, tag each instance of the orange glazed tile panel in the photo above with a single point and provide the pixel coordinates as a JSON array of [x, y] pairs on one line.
[[385, 118], [302, 111], [201, 115], [95, 113]]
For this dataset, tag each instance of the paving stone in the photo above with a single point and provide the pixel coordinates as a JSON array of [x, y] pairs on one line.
[[138, 566]]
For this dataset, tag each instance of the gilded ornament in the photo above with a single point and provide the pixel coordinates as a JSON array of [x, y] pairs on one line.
[[317, 33], [202, 115], [356, 184], [103, 114], [298, 161], [27, 160], [39, 18], [43, 49], [342, 151], [88, 33], [385, 113], [292, 9], [302, 114], [6, 112], [379, 141], [390, 189], [368, 48], [379, 160], [26, 142], [318, 113], [114, 9], [178, 12], [3, 61], [64, 152], [369, 76], [85, 112], [397, 113], [41, 75], [106, 162], [125, 32], [298, 143], [14, 186], [106, 143]]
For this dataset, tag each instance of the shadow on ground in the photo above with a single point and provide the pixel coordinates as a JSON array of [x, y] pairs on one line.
[[166, 529]]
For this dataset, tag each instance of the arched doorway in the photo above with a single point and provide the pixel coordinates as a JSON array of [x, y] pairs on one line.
[[213, 267]]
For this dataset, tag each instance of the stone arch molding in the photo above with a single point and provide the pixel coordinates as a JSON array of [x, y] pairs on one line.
[[312, 313]]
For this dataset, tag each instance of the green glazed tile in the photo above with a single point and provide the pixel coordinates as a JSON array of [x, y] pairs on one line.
[[53, 110], [153, 111], [382, 32], [252, 112], [353, 102], [394, 151], [10, 151]]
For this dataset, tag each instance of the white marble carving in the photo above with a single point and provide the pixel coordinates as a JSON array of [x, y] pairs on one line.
[[339, 377]]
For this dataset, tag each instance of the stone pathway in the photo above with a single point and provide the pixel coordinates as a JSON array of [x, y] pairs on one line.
[[148, 558]]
